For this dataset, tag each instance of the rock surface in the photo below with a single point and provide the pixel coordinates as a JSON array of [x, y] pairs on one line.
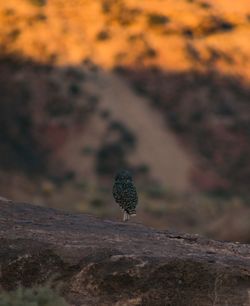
[[101, 262]]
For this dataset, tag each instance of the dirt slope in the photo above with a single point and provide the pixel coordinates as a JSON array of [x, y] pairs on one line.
[[156, 146]]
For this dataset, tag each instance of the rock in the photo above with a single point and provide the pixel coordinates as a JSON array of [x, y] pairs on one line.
[[102, 262]]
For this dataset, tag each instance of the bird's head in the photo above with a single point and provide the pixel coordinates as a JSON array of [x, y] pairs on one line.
[[123, 175]]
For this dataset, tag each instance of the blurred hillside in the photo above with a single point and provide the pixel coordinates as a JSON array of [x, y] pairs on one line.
[[161, 87]]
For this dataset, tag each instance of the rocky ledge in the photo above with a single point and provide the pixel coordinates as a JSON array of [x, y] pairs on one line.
[[101, 262]]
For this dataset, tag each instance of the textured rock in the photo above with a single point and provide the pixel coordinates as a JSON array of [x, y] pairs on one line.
[[102, 262]]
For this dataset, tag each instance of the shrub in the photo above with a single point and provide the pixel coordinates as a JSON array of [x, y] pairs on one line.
[[74, 89], [41, 17], [109, 158], [97, 202], [157, 19], [105, 113], [38, 2], [143, 169], [188, 32], [14, 34], [139, 87], [107, 6], [116, 10], [93, 100], [213, 25], [75, 74], [150, 52], [117, 126], [205, 5], [156, 192], [19, 145], [58, 107], [87, 150], [127, 16], [103, 35], [126, 136], [39, 296], [112, 155], [9, 12]]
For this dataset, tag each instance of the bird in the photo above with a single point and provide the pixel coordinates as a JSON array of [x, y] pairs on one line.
[[125, 194]]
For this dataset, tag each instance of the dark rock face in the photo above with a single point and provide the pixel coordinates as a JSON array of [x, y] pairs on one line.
[[101, 262]]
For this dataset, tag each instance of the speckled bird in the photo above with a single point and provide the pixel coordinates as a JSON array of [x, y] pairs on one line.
[[125, 194]]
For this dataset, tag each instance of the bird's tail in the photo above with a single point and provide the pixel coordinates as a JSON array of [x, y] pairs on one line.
[[132, 212]]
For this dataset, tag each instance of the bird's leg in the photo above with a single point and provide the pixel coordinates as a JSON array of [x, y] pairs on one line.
[[125, 216]]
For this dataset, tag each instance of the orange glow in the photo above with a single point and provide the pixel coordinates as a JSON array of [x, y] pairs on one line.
[[69, 31]]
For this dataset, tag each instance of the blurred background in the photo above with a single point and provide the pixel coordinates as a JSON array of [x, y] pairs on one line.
[[160, 87]]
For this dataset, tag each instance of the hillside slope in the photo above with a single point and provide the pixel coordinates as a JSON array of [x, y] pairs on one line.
[[174, 35], [161, 87], [156, 146]]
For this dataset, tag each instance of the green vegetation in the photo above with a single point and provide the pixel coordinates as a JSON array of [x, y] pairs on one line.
[[116, 10], [107, 6], [41, 17], [150, 53], [97, 202], [38, 2], [17, 123], [9, 12], [139, 88], [212, 25], [57, 107], [205, 5], [93, 100], [128, 16], [156, 192], [74, 89], [87, 150], [112, 155], [39, 296], [103, 35], [14, 34], [126, 136], [105, 114], [155, 19], [74, 74], [143, 169], [120, 57]]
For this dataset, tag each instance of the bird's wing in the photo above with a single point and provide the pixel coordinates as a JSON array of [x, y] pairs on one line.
[[130, 194], [117, 192], [134, 194]]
